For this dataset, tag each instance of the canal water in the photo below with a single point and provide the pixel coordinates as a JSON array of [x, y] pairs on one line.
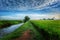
[[8, 30]]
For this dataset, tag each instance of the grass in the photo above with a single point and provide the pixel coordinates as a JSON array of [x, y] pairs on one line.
[[48, 28], [40, 30], [6, 23], [18, 32]]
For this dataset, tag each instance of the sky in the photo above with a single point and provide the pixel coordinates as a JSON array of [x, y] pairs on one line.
[[35, 9]]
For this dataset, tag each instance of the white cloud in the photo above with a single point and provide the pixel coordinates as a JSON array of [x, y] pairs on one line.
[[32, 16], [32, 4], [46, 4]]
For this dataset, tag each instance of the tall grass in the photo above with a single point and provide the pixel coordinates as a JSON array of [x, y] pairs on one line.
[[49, 28]]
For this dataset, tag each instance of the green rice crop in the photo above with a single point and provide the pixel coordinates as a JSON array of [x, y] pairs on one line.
[[52, 27]]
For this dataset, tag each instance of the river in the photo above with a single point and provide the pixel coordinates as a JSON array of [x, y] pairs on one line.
[[9, 29]]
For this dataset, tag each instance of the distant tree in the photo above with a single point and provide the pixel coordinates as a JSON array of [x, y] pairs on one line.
[[49, 19], [53, 18], [26, 19], [44, 19]]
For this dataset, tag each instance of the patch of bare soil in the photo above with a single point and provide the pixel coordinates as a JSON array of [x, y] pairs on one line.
[[26, 36]]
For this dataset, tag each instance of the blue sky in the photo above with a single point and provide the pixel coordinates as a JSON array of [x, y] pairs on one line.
[[35, 9]]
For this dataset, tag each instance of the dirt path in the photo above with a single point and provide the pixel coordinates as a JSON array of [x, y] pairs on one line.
[[26, 36]]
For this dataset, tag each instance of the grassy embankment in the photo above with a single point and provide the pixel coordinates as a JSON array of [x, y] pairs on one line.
[[49, 29], [6, 23], [20, 30], [40, 30]]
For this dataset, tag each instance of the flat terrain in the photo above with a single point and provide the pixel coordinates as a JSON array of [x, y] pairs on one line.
[[36, 30], [7, 23], [26, 36], [49, 29]]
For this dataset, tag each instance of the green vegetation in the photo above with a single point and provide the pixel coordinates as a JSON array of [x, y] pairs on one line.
[[6, 23], [20, 30], [26, 19], [40, 30], [50, 29]]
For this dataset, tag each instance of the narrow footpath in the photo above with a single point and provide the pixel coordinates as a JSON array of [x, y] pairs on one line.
[[26, 36]]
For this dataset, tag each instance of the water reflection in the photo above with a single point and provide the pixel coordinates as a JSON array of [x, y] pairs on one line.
[[8, 30]]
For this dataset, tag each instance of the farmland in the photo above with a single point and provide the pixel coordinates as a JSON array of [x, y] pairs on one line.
[[50, 29], [38, 30]]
